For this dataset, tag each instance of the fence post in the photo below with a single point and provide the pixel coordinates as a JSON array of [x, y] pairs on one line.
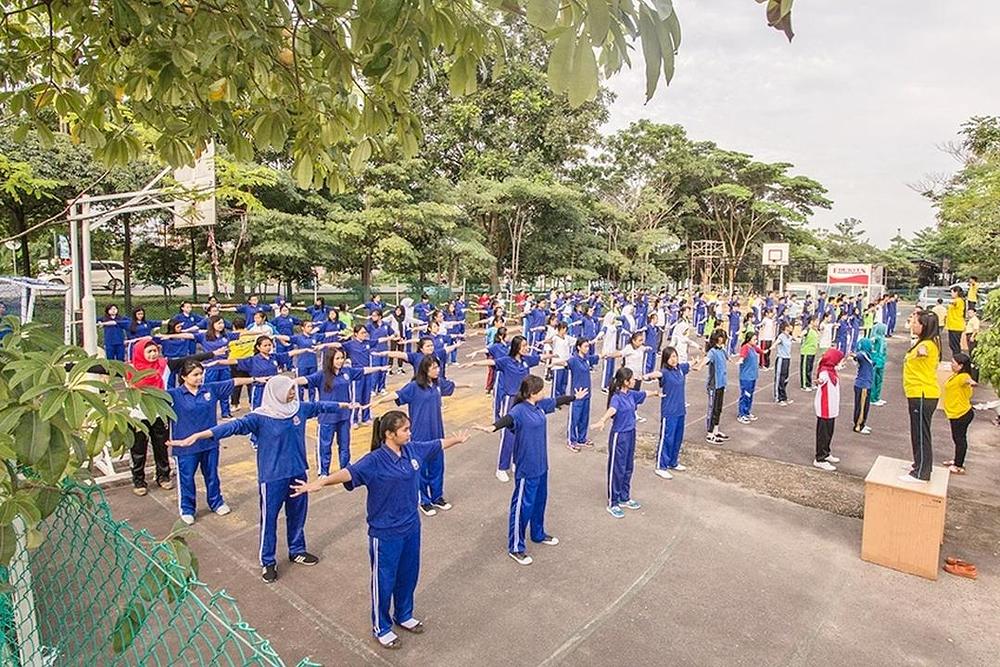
[[25, 619]]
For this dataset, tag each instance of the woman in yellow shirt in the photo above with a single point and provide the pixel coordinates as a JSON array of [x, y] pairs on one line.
[[922, 392], [958, 408], [954, 320]]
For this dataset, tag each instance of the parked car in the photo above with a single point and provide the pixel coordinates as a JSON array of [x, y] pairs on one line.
[[105, 274], [929, 296]]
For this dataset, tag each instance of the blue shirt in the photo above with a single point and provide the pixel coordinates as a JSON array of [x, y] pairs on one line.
[[281, 443], [866, 371], [307, 360], [392, 483], [783, 346], [424, 407], [318, 313], [114, 334], [358, 351], [377, 332], [174, 348], [512, 372], [625, 403], [717, 375], [750, 367], [341, 390], [142, 328], [672, 387], [196, 412], [259, 366], [531, 452], [579, 371]]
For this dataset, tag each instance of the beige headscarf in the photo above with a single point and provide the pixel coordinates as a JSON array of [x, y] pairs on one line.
[[274, 403]]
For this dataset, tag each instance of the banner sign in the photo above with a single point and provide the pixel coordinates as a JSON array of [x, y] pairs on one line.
[[849, 274]]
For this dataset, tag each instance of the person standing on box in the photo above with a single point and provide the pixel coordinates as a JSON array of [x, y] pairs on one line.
[[920, 386]]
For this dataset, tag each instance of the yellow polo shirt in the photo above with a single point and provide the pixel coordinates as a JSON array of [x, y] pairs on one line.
[[954, 319], [957, 395], [920, 373]]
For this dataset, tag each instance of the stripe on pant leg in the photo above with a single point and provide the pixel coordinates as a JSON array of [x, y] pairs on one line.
[[263, 521], [180, 484], [611, 467], [375, 604], [659, 446], [518, 546]]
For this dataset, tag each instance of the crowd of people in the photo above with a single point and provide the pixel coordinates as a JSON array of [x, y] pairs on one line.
[[540, 353]]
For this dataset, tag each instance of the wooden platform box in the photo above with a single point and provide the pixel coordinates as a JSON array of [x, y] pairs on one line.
[[904, 522]]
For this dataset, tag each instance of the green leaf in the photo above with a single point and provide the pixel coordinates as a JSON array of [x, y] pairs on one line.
[[128, 627], [8, 511], [52, 404], [151, 584], [302, 172], [31, 438], [674, 26], [34, 538], [561, 62], [651, 52], [52, 464], [8, 543], [664, 8], [543, 13], [598, 20], [47, 500], [584, 84]]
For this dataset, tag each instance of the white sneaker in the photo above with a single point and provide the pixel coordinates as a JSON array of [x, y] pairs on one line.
[[752, 417], [223, 509], [665, 474], [879, 402], [188, 519], [866, 430], [743, 420], [789, 401], [641, 420], [833, 459], [679, 468], [824, 465], [782, 403], [503, 476], [912, 479]]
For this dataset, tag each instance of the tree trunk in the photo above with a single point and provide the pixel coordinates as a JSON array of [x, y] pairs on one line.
[[239, 261], [127, 262], [214, 261], [366, 276], [194, 267], [20, 225]]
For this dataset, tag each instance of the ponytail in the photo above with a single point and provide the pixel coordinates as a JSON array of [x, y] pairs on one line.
[[390, 422], [530, 385], [622, 376]]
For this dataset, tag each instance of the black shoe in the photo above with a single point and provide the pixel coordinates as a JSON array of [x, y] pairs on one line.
[[428, 509], [269, 574], [304, 558], [441, 504]]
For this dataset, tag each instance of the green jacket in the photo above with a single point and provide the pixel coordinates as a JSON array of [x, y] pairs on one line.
[[810, 342]]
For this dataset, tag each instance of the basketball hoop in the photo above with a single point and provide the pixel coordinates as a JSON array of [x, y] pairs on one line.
[[197, 209]]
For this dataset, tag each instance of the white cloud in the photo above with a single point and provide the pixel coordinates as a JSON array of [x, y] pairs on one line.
[[859, 101]]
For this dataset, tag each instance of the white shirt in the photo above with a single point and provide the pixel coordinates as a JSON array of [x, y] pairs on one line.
[[767, 329], [679, 340], [826, 335], [634, 358], [561, 348]]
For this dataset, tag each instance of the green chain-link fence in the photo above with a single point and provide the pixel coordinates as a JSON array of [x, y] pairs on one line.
[[99, 592]]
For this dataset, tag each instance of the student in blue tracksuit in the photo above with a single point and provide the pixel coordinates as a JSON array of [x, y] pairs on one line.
[[444, 344], [422, 397], [734, 327], [527, 421], [284, 326], [307, 363], [318, 310], [381, 335], [360, 349], [216, 338], [391, 473], [622, 404], [333, 328], [279, 424], [138, 326], [194, 404], [653, 340], [673, 410], [264, 363], [511, 371], [114, 333], [423, 309], [337, 382], [750, 356], [580, 363], [189, 324]]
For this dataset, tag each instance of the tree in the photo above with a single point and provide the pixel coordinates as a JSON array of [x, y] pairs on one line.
[[54, 419], [161, 265], [743, 202], [20, 189], [286, 247], [330, 81]]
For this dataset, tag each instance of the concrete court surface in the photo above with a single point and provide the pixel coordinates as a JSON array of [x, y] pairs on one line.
[[705, 574]]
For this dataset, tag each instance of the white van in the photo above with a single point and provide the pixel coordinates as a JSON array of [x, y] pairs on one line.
[[105, 275]]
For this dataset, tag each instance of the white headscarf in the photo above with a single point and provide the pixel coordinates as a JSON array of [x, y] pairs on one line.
[[274, 403]]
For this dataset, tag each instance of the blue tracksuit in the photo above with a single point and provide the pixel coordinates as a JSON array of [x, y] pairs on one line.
[[340, 388], [281, 459], [427, 423], [378, 380], [196, 412], [531, 466], [261, 367], [749, 370], [114, 338], [307, 363], [734, 331], [673, 410], [621, 445], [360, 354], [393, 527], [654, 335], [510, 373], [216, 372], [579, 378]]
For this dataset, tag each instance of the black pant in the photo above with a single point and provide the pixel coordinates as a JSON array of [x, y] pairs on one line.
[[862, 404], [824, 436], [234, 398], [765, 359], [781, 366], [158, 436], [971, 344], [921, 410], [955, 341], [960, 435], [806, 362], [715, 401]]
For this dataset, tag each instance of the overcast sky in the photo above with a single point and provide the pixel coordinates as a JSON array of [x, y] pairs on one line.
[[860, 100]]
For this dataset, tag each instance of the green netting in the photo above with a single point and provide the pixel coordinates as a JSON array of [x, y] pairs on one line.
[[99, 592]]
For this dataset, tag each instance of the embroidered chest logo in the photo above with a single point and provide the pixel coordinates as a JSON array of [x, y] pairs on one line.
[[207, 396], [296, 420], [413, 462]]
